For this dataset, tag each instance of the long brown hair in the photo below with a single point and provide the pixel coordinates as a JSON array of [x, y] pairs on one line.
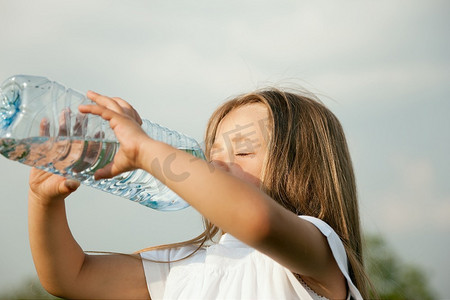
[[308, 170]]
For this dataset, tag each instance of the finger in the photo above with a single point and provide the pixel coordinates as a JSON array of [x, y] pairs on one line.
[[80, 125], [44, 127], [71, 184], [98, 110], [106, 172], [104, 101], [35, 172], [122, 102], [67, 187], [109, 115], [62, 122], [99, 135], [130, 108]]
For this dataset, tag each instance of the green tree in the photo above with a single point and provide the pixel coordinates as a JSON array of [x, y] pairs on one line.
[[392, 278]]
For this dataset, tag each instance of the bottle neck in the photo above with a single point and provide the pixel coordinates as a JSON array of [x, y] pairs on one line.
[[9, 107]]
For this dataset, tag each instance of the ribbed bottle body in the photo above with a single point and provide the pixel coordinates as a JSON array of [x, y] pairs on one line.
[[40, 126]]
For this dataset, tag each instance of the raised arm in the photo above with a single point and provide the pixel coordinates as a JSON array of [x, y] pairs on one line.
[[234, 205], [63, 268]]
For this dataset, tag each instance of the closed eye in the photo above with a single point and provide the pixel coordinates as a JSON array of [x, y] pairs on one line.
[[244, 154]]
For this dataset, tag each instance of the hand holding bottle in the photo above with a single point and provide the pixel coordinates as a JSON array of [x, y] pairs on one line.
[[76, 145], [125, 123], [47, 187]]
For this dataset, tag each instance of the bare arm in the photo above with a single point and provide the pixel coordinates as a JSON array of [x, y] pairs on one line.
[[63, 268], [232, 204], [244, 211]]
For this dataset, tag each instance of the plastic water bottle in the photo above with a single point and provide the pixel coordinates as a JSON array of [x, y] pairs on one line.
[[40, 126]]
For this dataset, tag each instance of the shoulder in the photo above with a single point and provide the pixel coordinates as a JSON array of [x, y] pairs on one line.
[[337, 249], [333, 239], [334, 242], [320, 224]]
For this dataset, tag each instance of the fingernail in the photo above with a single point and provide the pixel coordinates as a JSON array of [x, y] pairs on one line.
[[72, 184], [91, 93]]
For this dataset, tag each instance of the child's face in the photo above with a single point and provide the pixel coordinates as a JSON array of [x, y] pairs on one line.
[[240, 145]]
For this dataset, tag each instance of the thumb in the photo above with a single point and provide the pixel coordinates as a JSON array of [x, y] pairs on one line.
[[106, 172], [70, 185]]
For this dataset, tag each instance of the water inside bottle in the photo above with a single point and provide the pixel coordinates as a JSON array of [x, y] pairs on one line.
[[79, 159]]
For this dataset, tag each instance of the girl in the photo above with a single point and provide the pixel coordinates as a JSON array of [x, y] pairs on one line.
[[278, 183]]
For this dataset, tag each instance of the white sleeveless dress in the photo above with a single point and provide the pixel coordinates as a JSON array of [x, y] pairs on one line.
[[233, 270]]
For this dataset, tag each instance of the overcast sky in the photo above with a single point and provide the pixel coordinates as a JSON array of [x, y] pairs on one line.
[[382, 66]]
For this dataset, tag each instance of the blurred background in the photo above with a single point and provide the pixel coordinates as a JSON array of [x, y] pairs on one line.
[[383, 67]]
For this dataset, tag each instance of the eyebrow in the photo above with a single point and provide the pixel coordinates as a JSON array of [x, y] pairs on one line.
[[235, 139], [239, 138]]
